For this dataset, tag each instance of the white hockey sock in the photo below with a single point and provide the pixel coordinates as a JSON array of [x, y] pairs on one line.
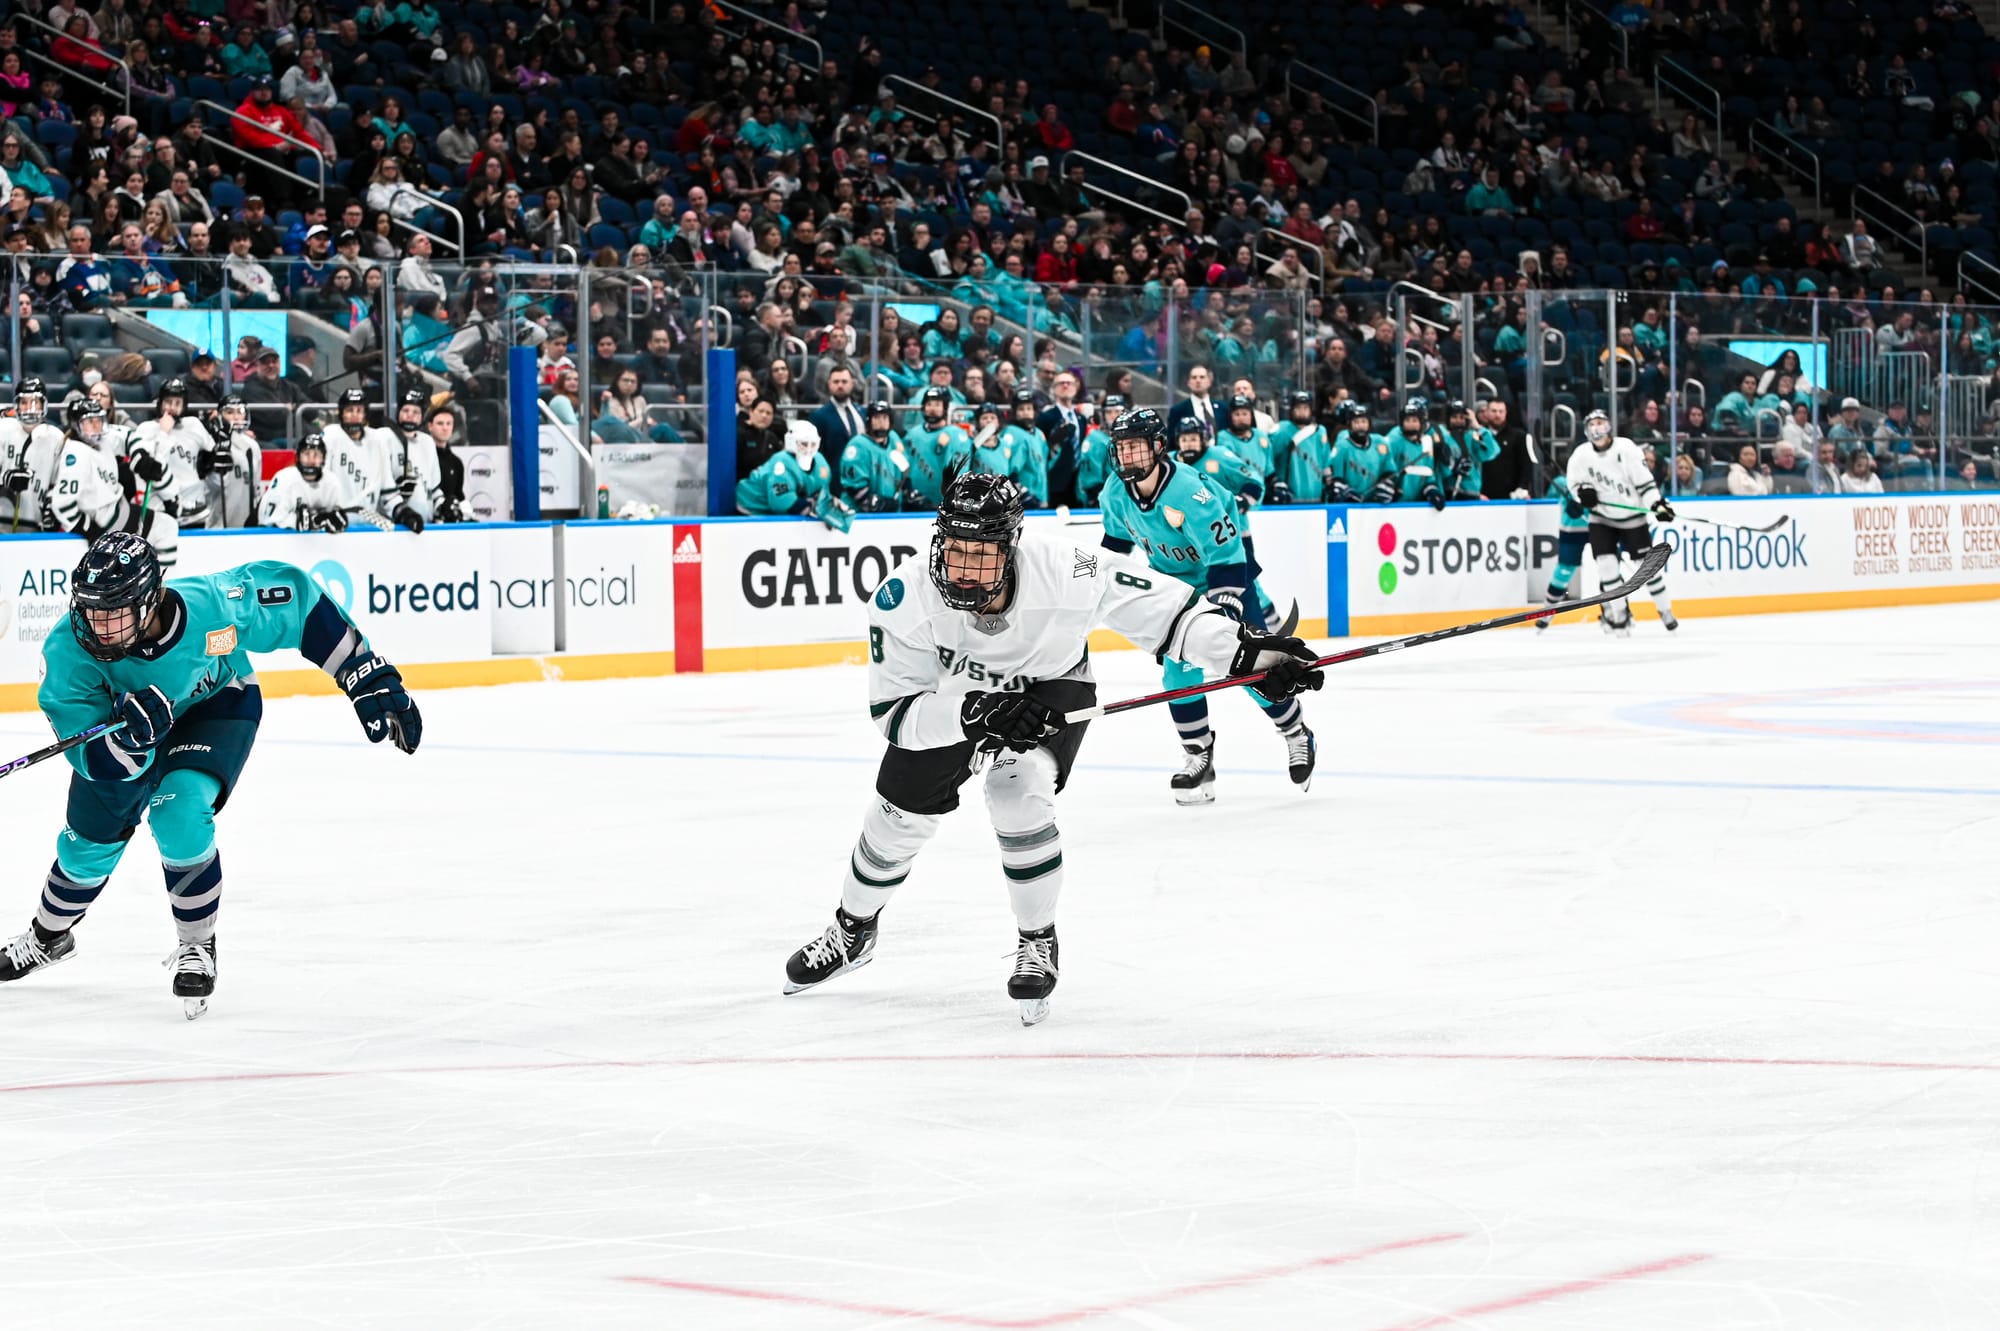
[[880, 861], [1021, 799], [1033, 864], [1608, 575]]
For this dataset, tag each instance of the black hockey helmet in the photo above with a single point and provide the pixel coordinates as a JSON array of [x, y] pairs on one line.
[[175, 387], [351, 397], [1118, 400], [31, 416], [310, 472], [941, 396], [1295, 399], [113, 594], [879, 407], [87, 419], [977, 506], [235, 411], [1145, 423], [987, 408], [1454, 409], [1420, 407], [414, 397], [1241, 402], [1191, 438], [1354, 415]]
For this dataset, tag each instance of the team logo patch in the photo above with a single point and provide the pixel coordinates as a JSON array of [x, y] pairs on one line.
[[222, 642], [69, 459], [1086, 566], [890, 595], [1174, 517], [1214, 466]]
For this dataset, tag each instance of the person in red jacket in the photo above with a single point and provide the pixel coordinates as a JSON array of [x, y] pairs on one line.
[[75, 50], [260, 129], [1055, 135]]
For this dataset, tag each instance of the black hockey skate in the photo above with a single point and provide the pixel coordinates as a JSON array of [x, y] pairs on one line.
[[1034, 977], [1301, 754], [1195, 782], [848, 944], [1618, 627], [193, 965], [34, 950], [1667, 618]]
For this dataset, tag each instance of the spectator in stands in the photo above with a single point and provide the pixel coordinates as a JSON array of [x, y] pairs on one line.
[[248, 279], [1800, 434], [1860, 477], [777, 384], [1736, 413], [415, 274], [1892, 433], [1748, 475], [1690, 142], [270, 397]]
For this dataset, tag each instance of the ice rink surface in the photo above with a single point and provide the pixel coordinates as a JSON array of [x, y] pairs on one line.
[[1644, 984]]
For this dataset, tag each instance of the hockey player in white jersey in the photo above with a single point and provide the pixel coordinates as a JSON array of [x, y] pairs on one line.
[[231, 465], [416, 479], [166, 453], [1608, 476], [307, 496], [30, 450], [93, 488], [980, 655], [361, 456]]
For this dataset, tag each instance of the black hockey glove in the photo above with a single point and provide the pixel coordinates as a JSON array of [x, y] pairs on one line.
[[407, 486], [1573, 510], [326, 519], [408, 517], [1587, 496], [214, 462], [1010, 720], [1287, 664], [1663, 510], [386, 709], [449, 511], [18, 480], [1337, 490], [1243, 505], [147, 467], [1433, 496], [148, 716], [1063, 436], [1281, 493], [1384, 491]]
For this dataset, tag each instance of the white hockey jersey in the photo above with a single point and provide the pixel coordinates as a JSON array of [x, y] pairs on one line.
[[362, 462], [181, 491], [924, 656], [39, 452], [1620, 477], [89, 493], [418, 456], [292, 501], [232, 497]]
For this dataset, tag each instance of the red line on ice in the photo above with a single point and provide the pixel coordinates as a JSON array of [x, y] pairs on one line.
[[1140, 1056], [1549, 1292], [1062, 1318]]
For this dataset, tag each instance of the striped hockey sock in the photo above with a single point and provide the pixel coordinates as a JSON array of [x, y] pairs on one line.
[[1034, 866], [64, 900], [196, 890], [880, 861]]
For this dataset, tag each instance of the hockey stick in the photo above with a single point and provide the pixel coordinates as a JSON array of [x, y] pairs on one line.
[[62, 746], [1783, 518], [1648, 568]]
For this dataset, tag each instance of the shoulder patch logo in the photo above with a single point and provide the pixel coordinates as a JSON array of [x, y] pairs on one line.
[[1174, 516], [1213, 466], [69, 459], [1086, 566], [890, 594], [222, 642]]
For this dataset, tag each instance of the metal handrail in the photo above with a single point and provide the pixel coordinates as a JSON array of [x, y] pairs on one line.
[[1624, 41], [1990, 286], [65, 70], [1784, 146], [1553, 436], [1242, 44], [1311, 253], [1680, 81], [999, 140], [785, 33], [1373, 119], [442, 207], [1700, 392], [1882, 213], [230, 143], [1187, 203], [1561, 339]]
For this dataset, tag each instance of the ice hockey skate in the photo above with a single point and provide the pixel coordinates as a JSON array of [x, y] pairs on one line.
[[1668, 621], [34, 950], [1195, 782], [1301, 755], [1619, 627], [848, 944], [193, 965], [1034, 977]]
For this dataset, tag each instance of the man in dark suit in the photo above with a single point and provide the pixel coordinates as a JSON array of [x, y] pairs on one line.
[[1063, 423], [839, 418], [1197, 404]]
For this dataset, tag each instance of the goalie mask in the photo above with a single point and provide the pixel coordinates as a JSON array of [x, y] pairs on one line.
[[1597, 429], [978, 527], [802, 442], [31, 403]]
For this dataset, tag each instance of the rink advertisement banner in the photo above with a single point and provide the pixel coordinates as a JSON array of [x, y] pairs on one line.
[[620, 581], [34, 600], [1415, 562]]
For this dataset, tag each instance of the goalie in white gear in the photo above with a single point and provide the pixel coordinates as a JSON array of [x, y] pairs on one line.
[[30, 450], [231, 465], [93, 488], [307, 496], [1608, 476], [166, 455], [982, 655]]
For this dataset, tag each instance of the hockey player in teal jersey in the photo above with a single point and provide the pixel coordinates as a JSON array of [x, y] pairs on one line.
[[168, 663], [1093, 452], [1411, 446], [1301, 451], [873, 468], [1361, 470], [1242, 436], [1572, 537], [1219, 464], [1030, 449], [1472, 446], [989, 451], [932, 444], [795, 479], [1188, 528]]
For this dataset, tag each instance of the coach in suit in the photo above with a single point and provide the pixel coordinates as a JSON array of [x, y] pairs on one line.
[[838, 419], [1063, 423], [1197, 404]]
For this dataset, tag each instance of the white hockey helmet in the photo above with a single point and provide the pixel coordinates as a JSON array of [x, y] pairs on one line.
[[802, 442], [1597, 429]]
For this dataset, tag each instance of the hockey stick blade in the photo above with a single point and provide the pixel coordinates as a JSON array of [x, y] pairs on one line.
[[61, 746], [1648, 568], [1290, 624]]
